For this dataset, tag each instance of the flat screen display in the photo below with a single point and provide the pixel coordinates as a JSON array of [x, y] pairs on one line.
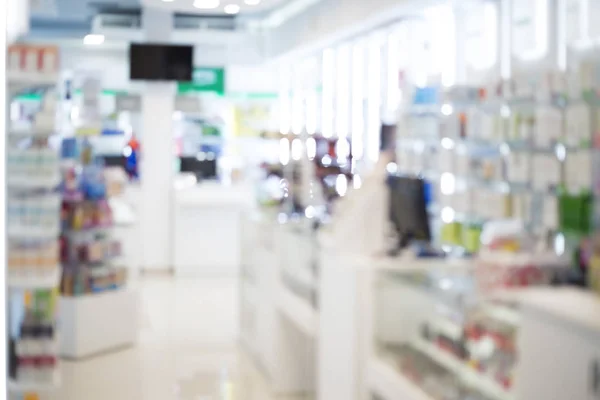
[[160, 62]]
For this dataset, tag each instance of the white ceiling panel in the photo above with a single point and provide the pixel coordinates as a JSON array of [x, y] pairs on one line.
[[208, 6]]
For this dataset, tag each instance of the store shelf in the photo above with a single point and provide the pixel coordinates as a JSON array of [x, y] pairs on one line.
[[299, 311], [467, 375], [47, 281], [20, 387], [27, 133], [502, 314], [388, 383], [32, 233], [34, 182], [97, 323], [31, 78]]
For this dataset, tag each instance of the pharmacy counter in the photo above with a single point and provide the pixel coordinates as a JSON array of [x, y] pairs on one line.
[[207, 228]]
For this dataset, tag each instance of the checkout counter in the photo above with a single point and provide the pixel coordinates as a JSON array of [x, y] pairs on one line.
[[205, 227]]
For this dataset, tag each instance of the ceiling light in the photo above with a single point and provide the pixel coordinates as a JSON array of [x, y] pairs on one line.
[[206, 4], [168, 1], [252, 2], [93, 39], [232, 9]]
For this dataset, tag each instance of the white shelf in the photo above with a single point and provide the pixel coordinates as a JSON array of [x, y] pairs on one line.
[[96, 323], [299, 311], [35, 182], [468, 376], [32, 233], [502, 314], [31, 132], [389, 383], [30, 387], [46, 281], [31, 78]]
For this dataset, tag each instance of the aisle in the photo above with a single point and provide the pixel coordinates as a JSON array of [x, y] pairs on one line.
[[187, 350]]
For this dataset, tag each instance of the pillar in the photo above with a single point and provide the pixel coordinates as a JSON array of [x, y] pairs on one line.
[[156, 169]]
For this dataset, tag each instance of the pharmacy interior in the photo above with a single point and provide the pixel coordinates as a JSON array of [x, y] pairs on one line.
[[408, 205]]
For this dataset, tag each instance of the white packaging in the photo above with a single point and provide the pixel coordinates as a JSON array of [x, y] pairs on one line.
[[518, 168], [549, 126], [578, 170], [550, 212], [578, 125], [546, 172]]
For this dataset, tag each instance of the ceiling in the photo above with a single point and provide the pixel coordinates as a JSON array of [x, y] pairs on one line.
[[84, 10], [187, 6]]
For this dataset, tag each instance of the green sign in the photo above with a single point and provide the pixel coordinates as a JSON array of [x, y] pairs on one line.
[[205, 80]]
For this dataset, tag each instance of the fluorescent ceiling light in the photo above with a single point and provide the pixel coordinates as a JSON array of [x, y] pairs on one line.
[[207, 4], [168, 1], [93, 39], [232, 9], [252, 2]]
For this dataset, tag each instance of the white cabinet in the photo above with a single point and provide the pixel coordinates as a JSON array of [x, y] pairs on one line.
[[559, 343]]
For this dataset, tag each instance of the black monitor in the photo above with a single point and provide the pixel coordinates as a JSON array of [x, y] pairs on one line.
[[408, 209], [114, 160], [203, 168], [161, 62]]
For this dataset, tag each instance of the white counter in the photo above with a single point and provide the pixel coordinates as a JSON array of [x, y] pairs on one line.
[[207, 228]]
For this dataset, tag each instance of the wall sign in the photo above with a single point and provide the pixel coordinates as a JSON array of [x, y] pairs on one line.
[[205, 79]]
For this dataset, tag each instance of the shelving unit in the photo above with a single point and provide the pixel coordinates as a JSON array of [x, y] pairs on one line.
[[98, 312], [33, 272]]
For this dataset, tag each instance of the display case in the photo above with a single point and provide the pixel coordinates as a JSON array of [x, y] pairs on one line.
[[436, 337], [432, 330]]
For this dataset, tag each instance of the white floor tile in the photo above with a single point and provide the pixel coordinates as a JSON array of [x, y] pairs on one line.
[[187, 350]]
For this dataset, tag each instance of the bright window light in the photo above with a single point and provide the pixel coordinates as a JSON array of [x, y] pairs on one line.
[[93, 39], [285, 106], [343, 91], [297, 149], [297, 103], [252, 2], [311, 113], [482, 36], [443, 30], [328, 92], [207, 4], [231, 9], [358, 97], [527, 13], [311, 148], [393, 70], [374, 97], [284, 151]]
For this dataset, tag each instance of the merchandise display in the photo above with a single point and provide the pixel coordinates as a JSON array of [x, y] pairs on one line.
[[86, 219], [453, 347], [33, 227]]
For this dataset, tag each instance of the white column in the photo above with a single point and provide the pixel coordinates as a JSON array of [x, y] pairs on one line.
[[156, 200]]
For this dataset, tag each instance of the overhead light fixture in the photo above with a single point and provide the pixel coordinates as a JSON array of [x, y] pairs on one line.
[[207, 4], [93, 39], [232, 9], [168, 1], [252, 2]]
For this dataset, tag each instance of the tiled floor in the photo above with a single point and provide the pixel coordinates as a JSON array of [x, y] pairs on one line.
[[187, 350]]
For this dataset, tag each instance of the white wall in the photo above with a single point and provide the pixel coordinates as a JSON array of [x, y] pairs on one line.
[[111, 63]]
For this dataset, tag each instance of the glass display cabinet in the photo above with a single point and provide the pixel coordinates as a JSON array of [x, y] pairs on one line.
[[438, 340]]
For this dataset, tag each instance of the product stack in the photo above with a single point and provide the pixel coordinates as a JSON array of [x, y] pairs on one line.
[[33, 250], [484, 149], [86, 247]]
